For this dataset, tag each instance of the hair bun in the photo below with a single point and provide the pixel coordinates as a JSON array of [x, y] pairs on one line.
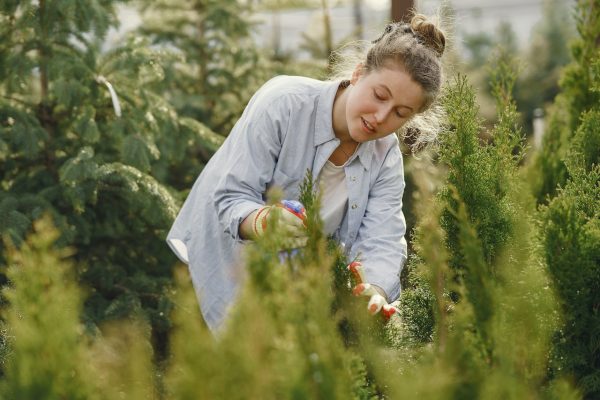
[[431, 36]]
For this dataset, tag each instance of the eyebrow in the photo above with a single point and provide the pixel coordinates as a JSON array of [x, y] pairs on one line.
[[392, 96]]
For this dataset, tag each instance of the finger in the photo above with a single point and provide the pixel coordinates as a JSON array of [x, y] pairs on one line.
[[294, 231], [291, 218], [357, 270], [388, 311], [364, 289], [376, 303]]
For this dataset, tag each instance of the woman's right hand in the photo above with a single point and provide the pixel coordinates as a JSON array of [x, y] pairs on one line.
[[290, 216]]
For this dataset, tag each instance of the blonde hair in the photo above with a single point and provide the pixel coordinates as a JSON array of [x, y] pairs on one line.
[[417, 47]]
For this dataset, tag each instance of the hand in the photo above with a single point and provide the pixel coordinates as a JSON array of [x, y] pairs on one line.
[[377, 300], [292, 217]]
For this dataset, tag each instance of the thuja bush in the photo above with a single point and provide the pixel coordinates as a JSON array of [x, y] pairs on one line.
[[478, 276], [83, 138], [282, 339], [482, 176], [44, 357], [565, 179], [571, 237], [548, 170], [511, 360], [49, 355], [480, 173]]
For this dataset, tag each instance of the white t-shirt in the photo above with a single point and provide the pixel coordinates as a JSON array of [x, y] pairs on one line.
[[334, 196]]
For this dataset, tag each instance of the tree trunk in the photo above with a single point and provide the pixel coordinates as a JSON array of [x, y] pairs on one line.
[[43, 53]]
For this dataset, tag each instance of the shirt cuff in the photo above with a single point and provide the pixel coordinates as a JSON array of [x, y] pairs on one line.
[[240, 213]]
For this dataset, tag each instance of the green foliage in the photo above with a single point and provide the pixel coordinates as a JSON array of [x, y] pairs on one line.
[[49, 356], [571, 238], [281, 341], [579, 94], [479, 269], [45, 358], [479, 173], [101, 164], [481, 176], [511, 360], [218, 67], [567, 175], [571, 226], [545, 58]]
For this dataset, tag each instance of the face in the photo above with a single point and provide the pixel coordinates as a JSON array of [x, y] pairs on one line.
[[380, 102]]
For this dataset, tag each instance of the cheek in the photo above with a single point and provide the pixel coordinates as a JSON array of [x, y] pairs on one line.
[[351, 109], [358, 105]]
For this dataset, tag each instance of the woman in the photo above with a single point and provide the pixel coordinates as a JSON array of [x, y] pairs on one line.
[[342, 131]]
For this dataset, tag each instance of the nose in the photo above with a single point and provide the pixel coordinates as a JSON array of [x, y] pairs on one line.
[[381, 114]]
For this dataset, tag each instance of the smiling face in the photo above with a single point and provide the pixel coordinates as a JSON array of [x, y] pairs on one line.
[[380, 102]]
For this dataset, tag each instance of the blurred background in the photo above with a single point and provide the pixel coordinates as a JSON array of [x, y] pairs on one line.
[[537, 32]]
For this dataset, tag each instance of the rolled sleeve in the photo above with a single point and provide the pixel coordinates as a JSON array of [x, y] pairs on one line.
[[255, 144], [380, 240]]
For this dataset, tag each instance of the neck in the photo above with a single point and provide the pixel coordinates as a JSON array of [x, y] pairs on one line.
[[339, 122]]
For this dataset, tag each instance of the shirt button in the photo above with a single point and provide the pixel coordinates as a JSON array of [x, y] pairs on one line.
[[354, 206], [353, 178]]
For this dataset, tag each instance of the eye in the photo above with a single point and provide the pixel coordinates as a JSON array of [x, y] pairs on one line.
[[378, 96], [399, 114]]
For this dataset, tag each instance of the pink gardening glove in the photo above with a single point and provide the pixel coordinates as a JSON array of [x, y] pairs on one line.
[[377, 302]]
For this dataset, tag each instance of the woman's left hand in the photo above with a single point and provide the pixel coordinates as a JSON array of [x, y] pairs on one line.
[[377, 298]]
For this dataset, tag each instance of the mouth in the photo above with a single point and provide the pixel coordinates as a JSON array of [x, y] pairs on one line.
[[367, 126]]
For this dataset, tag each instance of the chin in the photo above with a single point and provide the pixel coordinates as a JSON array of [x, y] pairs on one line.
[[360, 137]]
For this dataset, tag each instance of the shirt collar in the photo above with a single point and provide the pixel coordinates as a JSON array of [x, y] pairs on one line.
[[324, 123]]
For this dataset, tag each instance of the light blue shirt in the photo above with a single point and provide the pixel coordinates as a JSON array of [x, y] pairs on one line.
[[285, 130]]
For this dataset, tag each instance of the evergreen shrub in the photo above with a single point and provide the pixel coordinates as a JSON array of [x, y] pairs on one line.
[[570, 226], [84, 138]]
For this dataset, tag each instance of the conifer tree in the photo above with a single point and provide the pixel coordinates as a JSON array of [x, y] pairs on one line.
[[281, 340], [545, 58], [83, 137], [45, 337], [571, 238], [565, 175], [548, 171], [49, 356], [490, 298], [218, 67]]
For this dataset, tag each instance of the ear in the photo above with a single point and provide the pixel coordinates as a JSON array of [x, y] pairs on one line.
[[357, 73]]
